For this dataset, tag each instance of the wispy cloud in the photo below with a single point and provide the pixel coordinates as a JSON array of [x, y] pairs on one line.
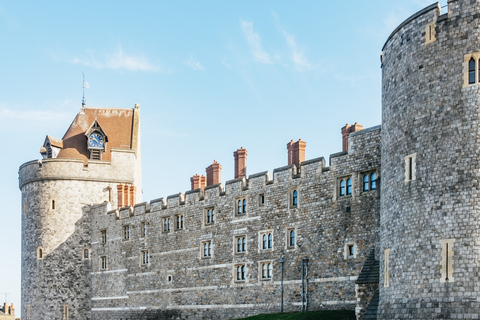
[[118, 60], [195, 65], [255, 42], [298, 58]]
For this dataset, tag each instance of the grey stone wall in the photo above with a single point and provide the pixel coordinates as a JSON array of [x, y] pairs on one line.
[[427, 111], [61, 276], [205, 288]]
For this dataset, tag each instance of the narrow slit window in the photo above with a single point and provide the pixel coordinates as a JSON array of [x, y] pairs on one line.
[[471, 71], [291, 241], [447, 260], [386, 276], [294, 198], [53, 204]]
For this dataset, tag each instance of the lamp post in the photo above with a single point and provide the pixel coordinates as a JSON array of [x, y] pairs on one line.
[[282, 260]]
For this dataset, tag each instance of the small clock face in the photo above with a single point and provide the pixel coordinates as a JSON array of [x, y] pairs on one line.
[[95, 140]]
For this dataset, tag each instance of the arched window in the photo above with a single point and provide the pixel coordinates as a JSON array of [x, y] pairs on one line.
[[244, 205], [366, 184], [349, 186], [264, 241], [270, 241], [471, 71], [342, 188], [292, 238], [294, 198], [239, 207], [269, 274], [264, 271], [373, 179], [85, 253]]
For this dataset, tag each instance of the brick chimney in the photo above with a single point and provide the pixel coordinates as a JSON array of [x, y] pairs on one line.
[[240, 163], [11, 311], [126, 195], [198, 182], [296, 153], [213, 173], [346, 132]]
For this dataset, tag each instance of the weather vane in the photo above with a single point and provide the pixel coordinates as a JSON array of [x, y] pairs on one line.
[[83, 86]]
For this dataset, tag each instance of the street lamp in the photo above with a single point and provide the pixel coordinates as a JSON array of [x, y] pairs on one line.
[[282, 260]]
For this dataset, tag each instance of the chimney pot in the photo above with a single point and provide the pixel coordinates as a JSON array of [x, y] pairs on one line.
[[213, 173], [240, 157]]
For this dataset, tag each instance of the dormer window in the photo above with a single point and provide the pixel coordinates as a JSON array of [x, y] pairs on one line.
[[51, 147], [96, 141]]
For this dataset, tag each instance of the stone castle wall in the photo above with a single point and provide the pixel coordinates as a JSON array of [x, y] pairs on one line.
[[430, 116], [179, 281], [55, 195]]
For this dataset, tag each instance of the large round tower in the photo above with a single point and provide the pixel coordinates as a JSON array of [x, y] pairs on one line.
[[97, 160], [430, 215]]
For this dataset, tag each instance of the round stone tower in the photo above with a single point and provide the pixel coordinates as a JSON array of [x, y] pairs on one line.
[[57, 193], [430, 215]]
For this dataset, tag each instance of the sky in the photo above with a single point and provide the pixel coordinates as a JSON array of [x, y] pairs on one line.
[[210, 77]]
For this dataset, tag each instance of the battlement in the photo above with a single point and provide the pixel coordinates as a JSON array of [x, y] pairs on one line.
[[119, 170], [361, 143]]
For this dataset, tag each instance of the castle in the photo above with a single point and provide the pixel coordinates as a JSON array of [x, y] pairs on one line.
[[388, 227]]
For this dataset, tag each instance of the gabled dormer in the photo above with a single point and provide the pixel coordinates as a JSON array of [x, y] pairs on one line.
[[51, 147], [96, 141]]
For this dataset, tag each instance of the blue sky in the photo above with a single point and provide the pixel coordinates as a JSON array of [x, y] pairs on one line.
[[210, 77]]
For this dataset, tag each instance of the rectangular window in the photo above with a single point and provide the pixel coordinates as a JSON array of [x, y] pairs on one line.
[[166, 225], [266, 240], [350, 251], [145, 257], [265, 269], [386, 272], [206, 248], [261, 200], [241, 206], [103, 263], [143, 229], [209, 216], [103, 235], [65, 312], [447, 260], [291, 237], [410, 167], [179, 222], [240, 272], [240, 244], [126, 232]]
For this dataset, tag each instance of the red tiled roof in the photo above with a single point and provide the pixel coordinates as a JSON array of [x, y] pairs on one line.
[[116, 123]]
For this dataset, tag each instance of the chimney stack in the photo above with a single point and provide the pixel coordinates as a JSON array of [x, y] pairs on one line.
[[213, 173], [11, 311], [296, 153], [240, 163], [5, 308], [198, 182], [346, 132]]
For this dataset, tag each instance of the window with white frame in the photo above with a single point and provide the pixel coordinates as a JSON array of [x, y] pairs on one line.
[[145, 257], [166, 224], [103, 262], [369, 182], [126, 233], [179, 222], [143, 229], [291, 238], [209, 215], [240, 272], [207, 249], [241, 206], [266, 240], [240, 244], [86, 253], [294, 197], [103, 236], [266, 269]]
